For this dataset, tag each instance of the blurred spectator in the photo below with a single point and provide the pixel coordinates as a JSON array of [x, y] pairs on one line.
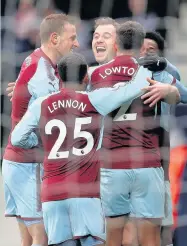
[[27, 22], [26, 26], [140, 14], [26, 29]]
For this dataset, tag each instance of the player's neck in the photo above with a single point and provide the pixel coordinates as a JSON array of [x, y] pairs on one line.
[[50, 53], [74, 86], [126, 53]]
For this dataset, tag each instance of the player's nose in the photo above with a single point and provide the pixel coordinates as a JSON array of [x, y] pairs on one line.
[[76, 44], [100, 39]]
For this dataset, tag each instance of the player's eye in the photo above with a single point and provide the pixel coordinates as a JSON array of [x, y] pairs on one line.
[[151, 49], [73, 38], [96, 36], [107, 35]]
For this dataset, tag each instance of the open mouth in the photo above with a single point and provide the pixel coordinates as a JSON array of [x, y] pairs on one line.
[[100, 49]]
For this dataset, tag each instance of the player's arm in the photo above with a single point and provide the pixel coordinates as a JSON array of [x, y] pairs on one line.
[[163, 90], [23, 134], [171, 69], [182, 90], [10, 89], [166, 78], [105, 100], [155, 64]]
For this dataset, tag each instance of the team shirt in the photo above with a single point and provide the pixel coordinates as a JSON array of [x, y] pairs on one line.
[[133, 133], [38, 77], [69, 124]]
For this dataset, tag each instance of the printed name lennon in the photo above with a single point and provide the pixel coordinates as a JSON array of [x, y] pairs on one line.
[[67, 104]]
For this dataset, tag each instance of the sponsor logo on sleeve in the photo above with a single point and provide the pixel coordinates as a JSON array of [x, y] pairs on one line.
[[28, 61]]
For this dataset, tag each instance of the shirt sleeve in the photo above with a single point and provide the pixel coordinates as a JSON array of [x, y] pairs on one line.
[[105, 100], [165, 77], [171, 69], [23, 134], [182, 90]]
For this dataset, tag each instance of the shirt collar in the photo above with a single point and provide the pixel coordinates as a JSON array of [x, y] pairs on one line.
[[47, 58]]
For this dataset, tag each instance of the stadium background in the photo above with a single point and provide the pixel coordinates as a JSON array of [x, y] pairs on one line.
[[19, 36]]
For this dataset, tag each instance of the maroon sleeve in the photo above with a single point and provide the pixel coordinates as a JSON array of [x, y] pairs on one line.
[[21, 95]]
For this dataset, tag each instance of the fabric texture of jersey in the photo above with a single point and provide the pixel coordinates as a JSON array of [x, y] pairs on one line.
[[71, 164], [38, 77], [132, 132], [69, 124]]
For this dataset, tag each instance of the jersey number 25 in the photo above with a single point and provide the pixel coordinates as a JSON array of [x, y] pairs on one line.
[[55, 153]]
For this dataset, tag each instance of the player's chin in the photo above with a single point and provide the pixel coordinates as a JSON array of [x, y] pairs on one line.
[[101, 60]]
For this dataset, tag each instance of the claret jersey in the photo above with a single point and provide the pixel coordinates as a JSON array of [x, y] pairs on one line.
[[132, 132], [69, 125], [38, 77]]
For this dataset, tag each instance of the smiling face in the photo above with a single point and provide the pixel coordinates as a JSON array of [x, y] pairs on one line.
[[103, 43], [67, 40], [149, 47]]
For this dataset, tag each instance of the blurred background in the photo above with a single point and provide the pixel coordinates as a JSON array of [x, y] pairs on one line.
[[20, 21]]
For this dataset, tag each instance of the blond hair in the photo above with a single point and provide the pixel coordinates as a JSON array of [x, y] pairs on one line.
[[53, 23], [105, 21]]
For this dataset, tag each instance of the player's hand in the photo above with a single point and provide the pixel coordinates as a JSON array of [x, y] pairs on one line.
[[10, 89], [155, 92], [153, 62]]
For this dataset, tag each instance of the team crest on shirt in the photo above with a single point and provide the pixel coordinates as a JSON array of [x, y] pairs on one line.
[[28, 61]]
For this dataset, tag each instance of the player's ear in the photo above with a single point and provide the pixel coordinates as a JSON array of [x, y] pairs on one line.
[[54, 38], [115, 47], [86, 79]]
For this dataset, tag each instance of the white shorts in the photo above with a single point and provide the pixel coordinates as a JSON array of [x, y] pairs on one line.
[[22, 189], [73, 218], [138, 192]]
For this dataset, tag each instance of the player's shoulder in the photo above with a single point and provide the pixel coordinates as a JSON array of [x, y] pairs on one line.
[[144, 71], [99, 67], [91, 70], [30, 64], [28, 69], [32, 59], [53, 96], [81, 96], [36, 67], [36, 59]]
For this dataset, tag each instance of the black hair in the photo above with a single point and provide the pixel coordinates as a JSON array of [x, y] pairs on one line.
[[130, 35], [155, 36], [72, 68]]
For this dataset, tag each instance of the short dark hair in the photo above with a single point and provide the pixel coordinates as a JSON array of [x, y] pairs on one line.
[[105, 21], [73, 68], [130, 35], [158, 39]]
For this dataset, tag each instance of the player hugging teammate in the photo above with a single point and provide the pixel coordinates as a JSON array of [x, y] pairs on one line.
[[77, 140]]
